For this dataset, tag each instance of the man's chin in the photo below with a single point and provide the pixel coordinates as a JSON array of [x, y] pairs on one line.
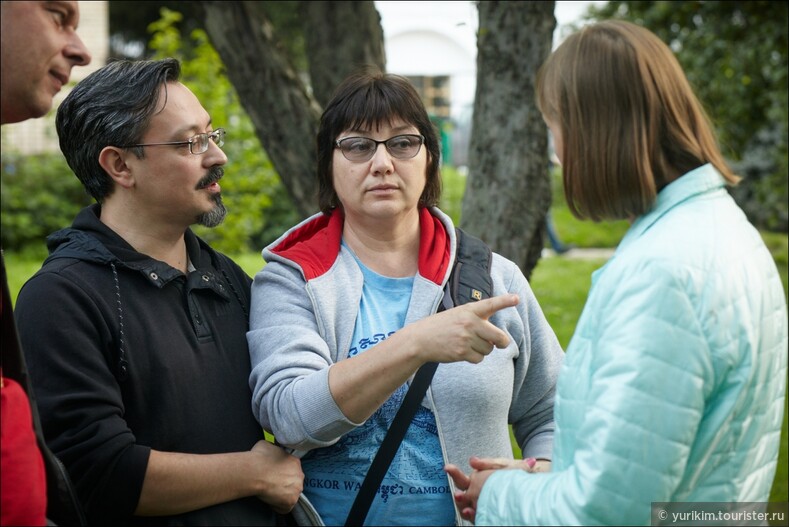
[[23, 113], [215, 216]]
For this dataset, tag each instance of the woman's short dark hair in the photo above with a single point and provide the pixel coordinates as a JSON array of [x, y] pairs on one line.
[[112, 106], [629, 119], [368, 99]]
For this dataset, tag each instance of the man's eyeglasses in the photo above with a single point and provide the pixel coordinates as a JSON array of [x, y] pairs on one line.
[[359, 149], [197, 144]]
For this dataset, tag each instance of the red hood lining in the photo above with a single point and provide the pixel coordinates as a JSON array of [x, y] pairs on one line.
[[315, 245]]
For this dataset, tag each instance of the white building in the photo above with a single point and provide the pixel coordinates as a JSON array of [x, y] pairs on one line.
[[434, 44], [433, 40]]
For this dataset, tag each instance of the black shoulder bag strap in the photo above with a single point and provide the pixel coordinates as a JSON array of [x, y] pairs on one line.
[[390, 444], [469, 281]]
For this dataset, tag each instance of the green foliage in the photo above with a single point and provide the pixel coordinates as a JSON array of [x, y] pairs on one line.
[[561, 286], [40, 195], [453, 186], [779, 248], [780, 490], [763, 192], [735, 56], [570, 229], [259, 207], [129, 21]]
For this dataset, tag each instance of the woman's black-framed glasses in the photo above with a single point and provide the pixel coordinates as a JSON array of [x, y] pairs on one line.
[[359, 149], [198, 144]]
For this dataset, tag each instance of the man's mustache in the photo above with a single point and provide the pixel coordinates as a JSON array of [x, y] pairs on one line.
[[214, 175]]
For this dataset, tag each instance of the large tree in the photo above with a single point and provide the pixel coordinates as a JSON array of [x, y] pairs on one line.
[[285, 112], [508, 191], [508, 194], [340, 37]]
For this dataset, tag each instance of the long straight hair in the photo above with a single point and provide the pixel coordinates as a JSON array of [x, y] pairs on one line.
[[629, 119]]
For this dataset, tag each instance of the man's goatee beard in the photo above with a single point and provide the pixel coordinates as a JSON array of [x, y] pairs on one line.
[[215, 216]]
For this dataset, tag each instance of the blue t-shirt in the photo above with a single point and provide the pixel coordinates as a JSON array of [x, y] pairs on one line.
[[415, 490]]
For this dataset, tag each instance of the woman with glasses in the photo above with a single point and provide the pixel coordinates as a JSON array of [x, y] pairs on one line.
[[345, 312]]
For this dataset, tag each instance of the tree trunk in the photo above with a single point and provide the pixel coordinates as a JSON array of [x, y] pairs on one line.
[[340, 37], [285, 115], [508, 191]]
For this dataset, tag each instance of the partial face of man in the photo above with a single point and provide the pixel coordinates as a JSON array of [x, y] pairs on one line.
[[40, 46]]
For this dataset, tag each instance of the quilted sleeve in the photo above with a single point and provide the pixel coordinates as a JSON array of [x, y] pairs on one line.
[[643, 368]]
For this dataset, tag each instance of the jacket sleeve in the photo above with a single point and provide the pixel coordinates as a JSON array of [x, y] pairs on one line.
[[290, 363], [648, 369], [536, 371], [65, 336]]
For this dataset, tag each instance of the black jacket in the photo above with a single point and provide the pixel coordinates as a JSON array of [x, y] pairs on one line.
[[127, 354]]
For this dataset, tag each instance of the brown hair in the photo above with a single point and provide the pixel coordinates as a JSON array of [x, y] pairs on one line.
[[368, 98], [629, 119]]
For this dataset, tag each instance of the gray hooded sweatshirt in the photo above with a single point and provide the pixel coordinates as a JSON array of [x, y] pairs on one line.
[[304, 307]]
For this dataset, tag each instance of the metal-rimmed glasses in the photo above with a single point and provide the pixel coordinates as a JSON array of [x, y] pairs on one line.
[[198, 144], [359, 149]]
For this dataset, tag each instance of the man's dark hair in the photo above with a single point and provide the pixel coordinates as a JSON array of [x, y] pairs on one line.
[[110, 107]]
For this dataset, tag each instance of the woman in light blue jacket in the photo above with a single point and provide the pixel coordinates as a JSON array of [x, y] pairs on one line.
[[673, 386]]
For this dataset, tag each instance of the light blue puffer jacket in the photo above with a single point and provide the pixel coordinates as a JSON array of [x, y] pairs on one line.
[[673, 385]]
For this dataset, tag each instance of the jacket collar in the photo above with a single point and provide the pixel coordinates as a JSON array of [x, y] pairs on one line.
[[89, 239], [698, 181]]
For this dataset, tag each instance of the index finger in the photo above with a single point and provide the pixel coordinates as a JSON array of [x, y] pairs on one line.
[[460, 479], [486, 308]]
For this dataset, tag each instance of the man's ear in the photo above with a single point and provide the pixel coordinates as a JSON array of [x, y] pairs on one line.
[[113, 160]]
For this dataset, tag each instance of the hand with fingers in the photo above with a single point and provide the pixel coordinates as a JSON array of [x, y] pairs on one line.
[[362, 383], [463, 333], [282, 475], [469, 487]]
